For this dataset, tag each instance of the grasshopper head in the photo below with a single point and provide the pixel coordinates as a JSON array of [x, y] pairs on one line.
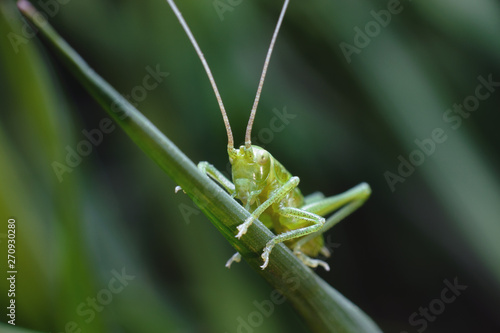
[[251, 164], [250, 168]]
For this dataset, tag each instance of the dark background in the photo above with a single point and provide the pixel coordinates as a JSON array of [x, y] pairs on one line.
[[355, 119]]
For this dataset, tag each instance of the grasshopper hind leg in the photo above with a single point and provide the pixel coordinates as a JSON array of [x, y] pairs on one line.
[[313, 197], [308, 252], [313, 263], [343, 205], [325, 252]]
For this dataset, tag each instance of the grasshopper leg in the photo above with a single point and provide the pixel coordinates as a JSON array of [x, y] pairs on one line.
[[298, 215], [344, 204], [314, 197], [209, 170], [235, 258], [312, 262], [275, 197]]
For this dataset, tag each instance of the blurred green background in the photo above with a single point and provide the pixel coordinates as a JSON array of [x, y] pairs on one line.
[[114, 212]]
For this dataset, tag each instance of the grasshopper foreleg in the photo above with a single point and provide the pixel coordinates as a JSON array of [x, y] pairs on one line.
[[275, 197], [209, 170], [297, 214]]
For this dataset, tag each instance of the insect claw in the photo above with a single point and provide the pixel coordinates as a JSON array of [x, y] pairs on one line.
[[235, 258], [178, 188], [265, 256], [241, 233], [242, 228], [313, 263], [324, 265]]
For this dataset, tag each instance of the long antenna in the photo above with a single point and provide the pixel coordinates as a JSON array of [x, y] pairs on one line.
[[248, 135], [230, 140]]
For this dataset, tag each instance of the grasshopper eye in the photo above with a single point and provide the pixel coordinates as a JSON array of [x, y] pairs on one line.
[[262, 157]]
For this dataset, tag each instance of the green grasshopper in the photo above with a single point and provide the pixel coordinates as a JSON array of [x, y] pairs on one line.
[[268, 191]]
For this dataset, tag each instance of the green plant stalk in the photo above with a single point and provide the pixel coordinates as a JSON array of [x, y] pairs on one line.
[[321, 306]]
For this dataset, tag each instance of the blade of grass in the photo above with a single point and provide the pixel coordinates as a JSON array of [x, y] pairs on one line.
[[34, 123], [322, 307]]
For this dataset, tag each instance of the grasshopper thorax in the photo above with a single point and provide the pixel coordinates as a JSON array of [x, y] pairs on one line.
[[251, 167]]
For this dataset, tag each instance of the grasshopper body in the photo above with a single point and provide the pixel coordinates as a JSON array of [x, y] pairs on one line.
[[257, 176], [269, 192]]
